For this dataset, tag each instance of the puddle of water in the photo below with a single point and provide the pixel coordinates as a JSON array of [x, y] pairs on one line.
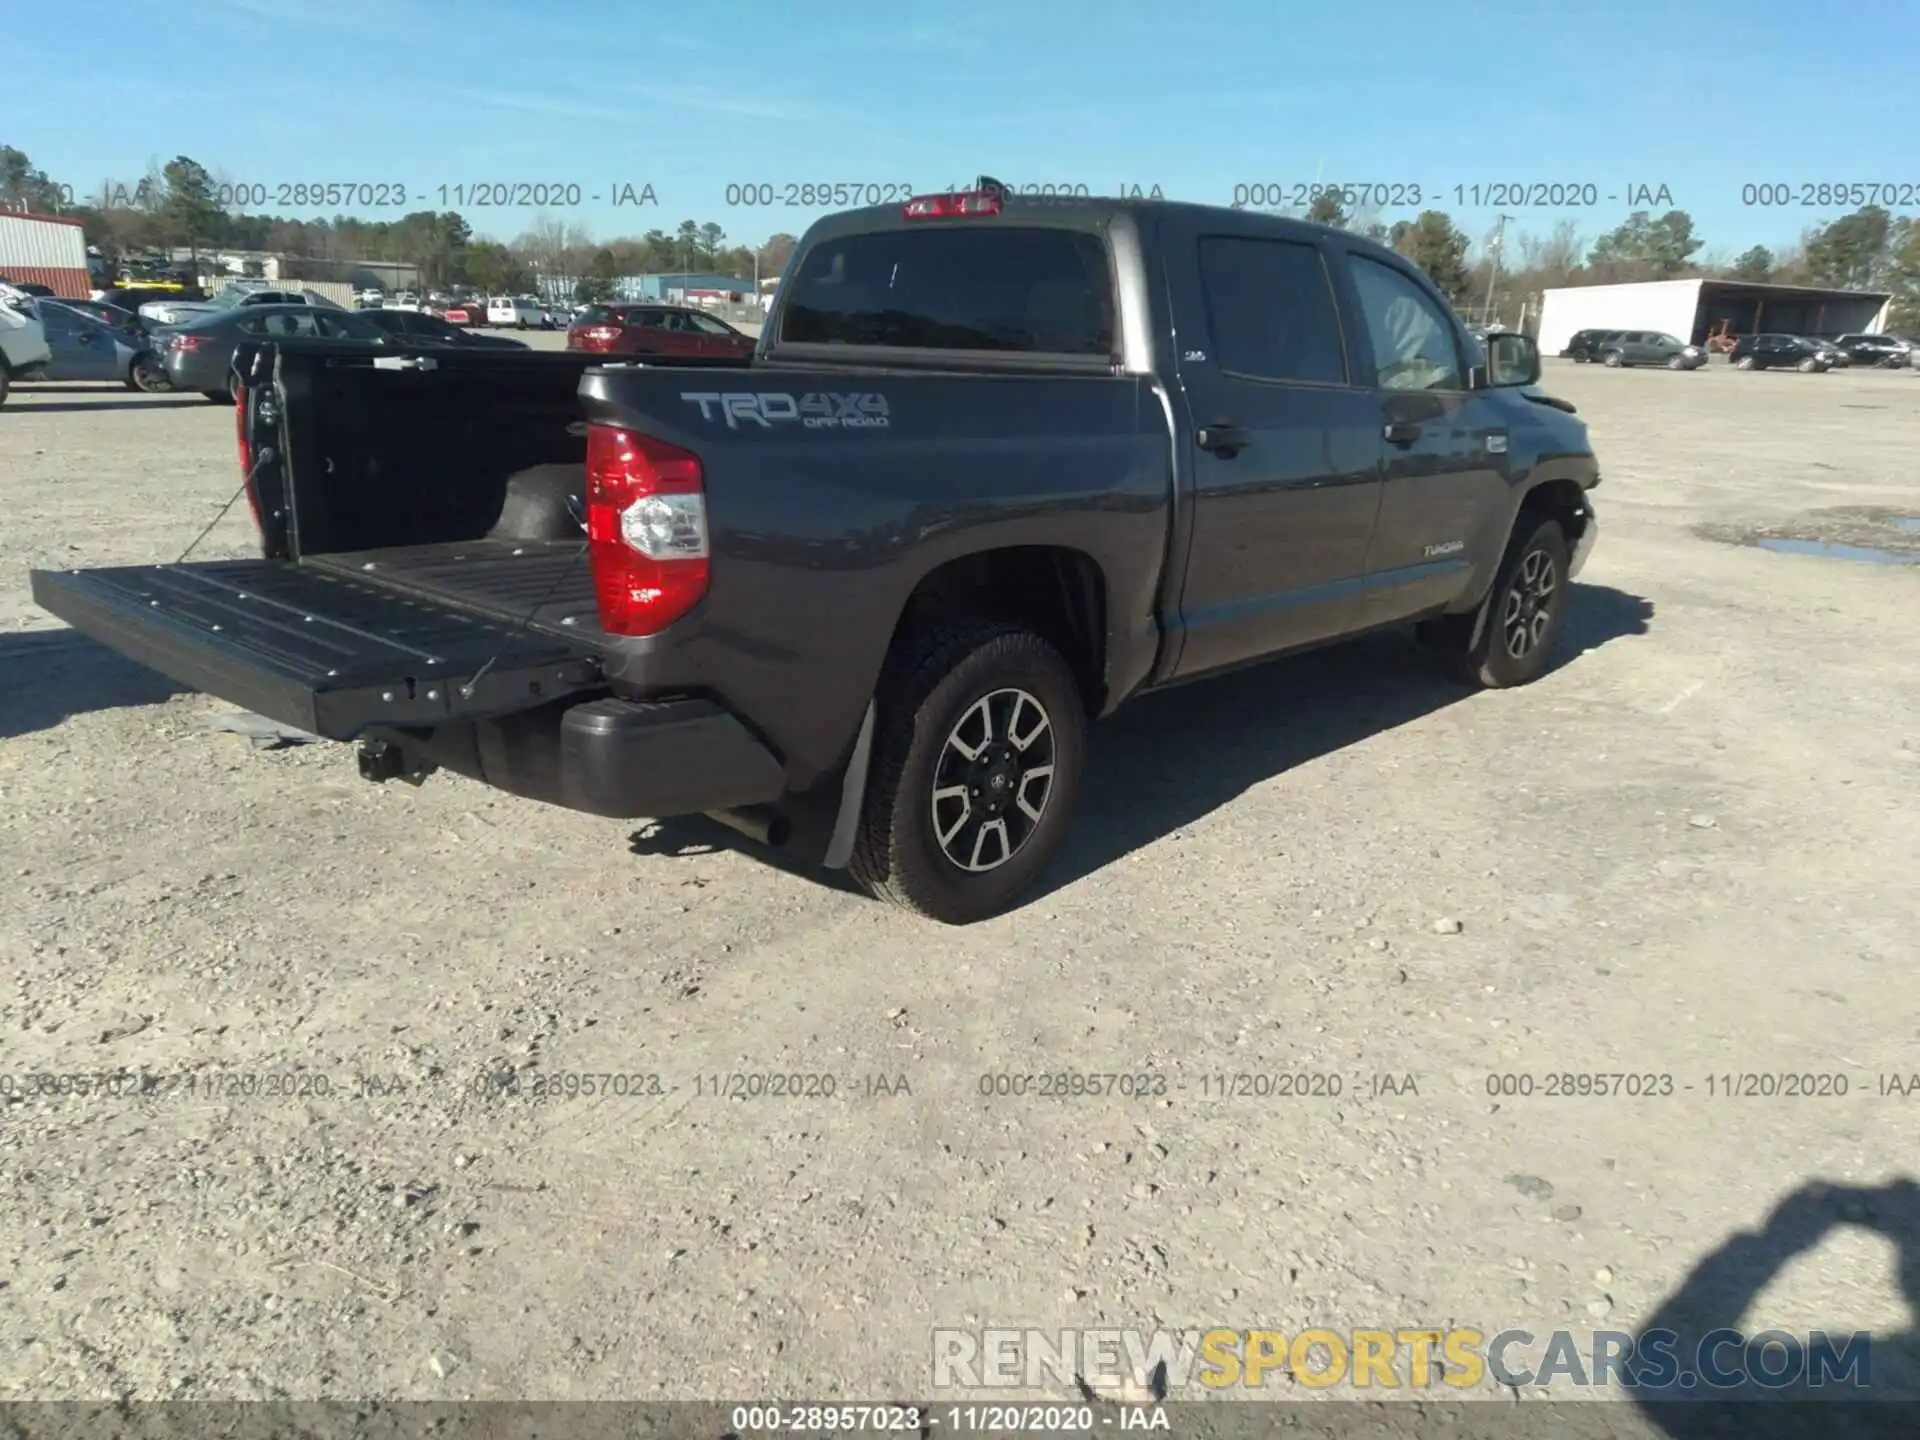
[[1906, 524], [1840, 552]]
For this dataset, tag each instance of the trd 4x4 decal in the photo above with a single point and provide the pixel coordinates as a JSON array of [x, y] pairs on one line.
[[816, 410]]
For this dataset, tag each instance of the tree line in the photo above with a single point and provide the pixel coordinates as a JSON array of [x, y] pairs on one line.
[[176, 205]]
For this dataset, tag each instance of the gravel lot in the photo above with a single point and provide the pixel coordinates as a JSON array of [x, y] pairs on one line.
[[1689, 851]]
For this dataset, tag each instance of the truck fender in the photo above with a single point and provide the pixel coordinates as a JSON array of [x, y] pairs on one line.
[[853, 794], [1548, 475]]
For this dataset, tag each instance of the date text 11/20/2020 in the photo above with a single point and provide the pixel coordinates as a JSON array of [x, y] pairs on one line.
[[358, 195]]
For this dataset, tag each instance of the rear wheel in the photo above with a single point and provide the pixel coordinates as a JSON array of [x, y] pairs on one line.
[[976, 769], [148, 375], [1521, 613]]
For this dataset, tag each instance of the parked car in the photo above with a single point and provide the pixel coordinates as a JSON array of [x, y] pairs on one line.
[[1584, 345], [181, 312], [997, 466], [369, 298], [199, 354], [667, 330], [24, 352], [118, 316], [1883, 350], [30, 287], [402, 300], [84, 348], [432, 329], [516, 311], [1836, 358], [465, 313], [1774, 352], [1649, 347]]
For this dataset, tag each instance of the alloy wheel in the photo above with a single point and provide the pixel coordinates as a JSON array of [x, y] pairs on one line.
[[1527, 611], [993, 780]]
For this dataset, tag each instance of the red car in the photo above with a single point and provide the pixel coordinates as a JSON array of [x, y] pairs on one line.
[[467, 312], [639, 329]]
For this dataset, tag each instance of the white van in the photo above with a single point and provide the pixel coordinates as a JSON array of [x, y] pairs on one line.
[[517, 311]]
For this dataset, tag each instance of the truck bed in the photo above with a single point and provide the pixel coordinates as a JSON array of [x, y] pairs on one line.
[[541, 583]]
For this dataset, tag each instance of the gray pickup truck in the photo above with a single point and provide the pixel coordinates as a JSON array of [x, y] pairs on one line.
[[997, 466]]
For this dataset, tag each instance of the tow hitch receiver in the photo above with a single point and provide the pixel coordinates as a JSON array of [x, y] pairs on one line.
[[382, 760]]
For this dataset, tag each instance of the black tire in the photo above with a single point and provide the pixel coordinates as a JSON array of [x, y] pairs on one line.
[[932, 687], [1491, 661], [1678, 362], [1746, 362], [6, 383], [1807, 366], [219, 397], [148, 376], [1613, 359]]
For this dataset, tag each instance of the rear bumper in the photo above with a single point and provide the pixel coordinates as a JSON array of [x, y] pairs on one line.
[[619, 758]]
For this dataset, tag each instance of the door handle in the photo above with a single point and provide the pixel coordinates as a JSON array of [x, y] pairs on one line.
[[1400, 432], [1225, 441]]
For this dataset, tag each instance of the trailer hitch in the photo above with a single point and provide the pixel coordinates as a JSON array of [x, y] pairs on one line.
[[382, 760]]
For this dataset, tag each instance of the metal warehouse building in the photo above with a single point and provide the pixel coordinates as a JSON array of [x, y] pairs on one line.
[[1691, 309], [45, 250]]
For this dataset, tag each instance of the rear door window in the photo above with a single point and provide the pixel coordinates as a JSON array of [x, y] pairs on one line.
[[1270, 306], [991, 288]]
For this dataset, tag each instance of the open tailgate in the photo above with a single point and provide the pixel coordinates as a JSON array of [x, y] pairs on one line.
[[324, 652]]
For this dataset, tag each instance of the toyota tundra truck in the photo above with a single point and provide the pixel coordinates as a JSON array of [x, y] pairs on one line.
[[996, 467]]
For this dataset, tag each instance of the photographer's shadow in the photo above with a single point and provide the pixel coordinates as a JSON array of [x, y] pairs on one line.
[[1821, 1391]]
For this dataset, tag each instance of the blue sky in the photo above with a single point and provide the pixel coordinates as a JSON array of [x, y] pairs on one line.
[[1197, 97]]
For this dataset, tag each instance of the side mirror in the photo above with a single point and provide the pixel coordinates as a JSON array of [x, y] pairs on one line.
[[1512, 360]]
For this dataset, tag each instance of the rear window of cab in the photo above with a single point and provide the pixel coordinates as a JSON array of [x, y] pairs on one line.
[[997, 288]]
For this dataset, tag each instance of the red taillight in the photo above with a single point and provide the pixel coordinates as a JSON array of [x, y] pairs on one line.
[[184, 342], [646, 530], [956, 202], [246, 456]]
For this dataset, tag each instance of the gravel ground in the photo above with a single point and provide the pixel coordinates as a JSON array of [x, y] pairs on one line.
[[1687, 852]]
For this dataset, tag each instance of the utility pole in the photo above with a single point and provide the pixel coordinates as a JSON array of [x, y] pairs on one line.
[[1493, 269]]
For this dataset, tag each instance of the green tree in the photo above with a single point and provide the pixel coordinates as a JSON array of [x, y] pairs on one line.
[[188, 212], [1853, 251], [23, 186], [496, 269], [1642, 247], [1437, 246], [1902, 275], [1754, 266], [686, 246], [1326, 209], [710, 237]]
